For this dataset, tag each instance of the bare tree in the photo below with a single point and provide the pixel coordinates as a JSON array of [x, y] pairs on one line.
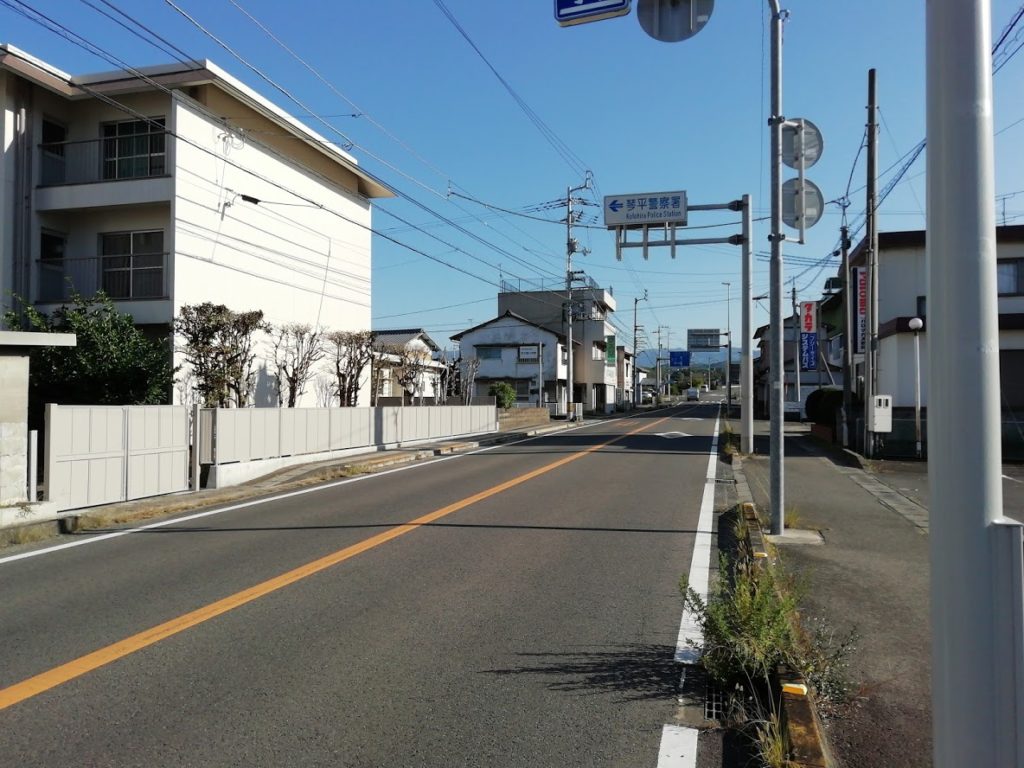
[[240, 337], [447, 379], [323, 386], [411, 370], [468, 370], [297, 347], [218, 347], [386, 359], [349, 353]]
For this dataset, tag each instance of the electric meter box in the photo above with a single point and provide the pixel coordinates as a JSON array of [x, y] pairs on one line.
[[880, 414]]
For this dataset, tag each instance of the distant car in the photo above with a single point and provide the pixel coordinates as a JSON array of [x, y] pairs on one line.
[[693, 394], [703, 387]]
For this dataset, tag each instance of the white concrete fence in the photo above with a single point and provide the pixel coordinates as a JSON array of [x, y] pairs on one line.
[[104, 454]]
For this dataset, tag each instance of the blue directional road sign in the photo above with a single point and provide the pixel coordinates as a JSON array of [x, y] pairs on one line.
[[569, 12], [679, 359]]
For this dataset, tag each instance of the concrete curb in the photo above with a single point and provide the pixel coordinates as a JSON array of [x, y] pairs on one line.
[[798, 713]]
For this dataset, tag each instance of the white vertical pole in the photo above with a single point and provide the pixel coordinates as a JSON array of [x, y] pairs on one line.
[[33, 466], [196, 443], [746, 362], [775, 392], [975, 699]]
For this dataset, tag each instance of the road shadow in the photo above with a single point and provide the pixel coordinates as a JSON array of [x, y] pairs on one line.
[[636, 672]]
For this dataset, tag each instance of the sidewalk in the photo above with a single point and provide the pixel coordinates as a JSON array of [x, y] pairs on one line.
[[871, 575]]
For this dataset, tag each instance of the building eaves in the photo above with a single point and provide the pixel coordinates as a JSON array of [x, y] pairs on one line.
[[511, 315], [178, 76]]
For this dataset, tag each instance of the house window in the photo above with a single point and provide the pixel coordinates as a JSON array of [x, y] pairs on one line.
[[488, 353], [134, 149], [133, 264], [1010, 277], [922, 307], [596, 353], [522, 388]]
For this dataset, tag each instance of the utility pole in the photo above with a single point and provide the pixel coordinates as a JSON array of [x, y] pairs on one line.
[[848, 299], [571, 247], [775, 390], [797, 327], [871, 350], [657, 363], [746, 363], [636, 346]]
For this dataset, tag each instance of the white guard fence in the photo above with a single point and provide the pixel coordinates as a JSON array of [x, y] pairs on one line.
[[248, 434], [103, 454]]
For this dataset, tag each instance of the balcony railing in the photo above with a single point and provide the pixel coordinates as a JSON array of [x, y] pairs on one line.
[[137, 156], [137, 276]]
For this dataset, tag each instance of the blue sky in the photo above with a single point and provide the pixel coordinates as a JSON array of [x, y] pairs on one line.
[[641, 115]]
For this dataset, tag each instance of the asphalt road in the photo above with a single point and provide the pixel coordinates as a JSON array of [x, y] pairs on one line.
[[529, 620]]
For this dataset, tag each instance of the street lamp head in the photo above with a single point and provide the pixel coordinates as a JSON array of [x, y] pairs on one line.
[[916, 324]]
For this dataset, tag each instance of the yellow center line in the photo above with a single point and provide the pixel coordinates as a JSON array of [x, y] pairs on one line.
[[44, 681]]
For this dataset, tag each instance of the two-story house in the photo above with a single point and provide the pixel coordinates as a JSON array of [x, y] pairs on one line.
[[175, 185], [526, 355]]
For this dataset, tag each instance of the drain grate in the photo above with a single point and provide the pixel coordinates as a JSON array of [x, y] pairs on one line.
[[714, 702]]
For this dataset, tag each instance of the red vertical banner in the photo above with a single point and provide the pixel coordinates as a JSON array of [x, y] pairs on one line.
[[861, 324]]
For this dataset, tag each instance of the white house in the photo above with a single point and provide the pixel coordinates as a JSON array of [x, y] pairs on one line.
[[902, 295], [176, 186], [595, 362], [416, 344], [510, 348]]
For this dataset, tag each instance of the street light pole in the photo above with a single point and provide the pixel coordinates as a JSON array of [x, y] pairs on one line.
[[915, 326], [728, 343]]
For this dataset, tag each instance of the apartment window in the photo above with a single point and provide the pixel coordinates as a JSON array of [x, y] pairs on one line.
[[133, 264], [1010, 277], [596, 353], [488, 353], [134, 148], [51, 266], [53, 150]]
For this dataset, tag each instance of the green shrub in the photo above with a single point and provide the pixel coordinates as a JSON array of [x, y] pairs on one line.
[[503, 393]]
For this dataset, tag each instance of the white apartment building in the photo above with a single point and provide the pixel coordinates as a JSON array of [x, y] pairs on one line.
[[176, 185]]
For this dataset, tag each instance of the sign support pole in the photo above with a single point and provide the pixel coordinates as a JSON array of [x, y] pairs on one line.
[[775, 393]]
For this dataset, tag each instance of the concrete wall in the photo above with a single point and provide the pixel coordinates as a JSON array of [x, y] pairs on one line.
[[13, 428]]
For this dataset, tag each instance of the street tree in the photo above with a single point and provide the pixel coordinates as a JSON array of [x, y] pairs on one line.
[[218, 346], [349, 354], [297, 347], [468, 369], [411, 371]]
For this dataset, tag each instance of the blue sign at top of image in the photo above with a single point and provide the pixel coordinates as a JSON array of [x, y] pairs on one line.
[[580, 10], [679, 359]]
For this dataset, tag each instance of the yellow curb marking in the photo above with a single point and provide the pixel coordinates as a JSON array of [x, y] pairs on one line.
[[44, 681]]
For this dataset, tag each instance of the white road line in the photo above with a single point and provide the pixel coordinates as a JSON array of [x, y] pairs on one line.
[[691, 639], [255, 502], [1011, 479], [678, 747]]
